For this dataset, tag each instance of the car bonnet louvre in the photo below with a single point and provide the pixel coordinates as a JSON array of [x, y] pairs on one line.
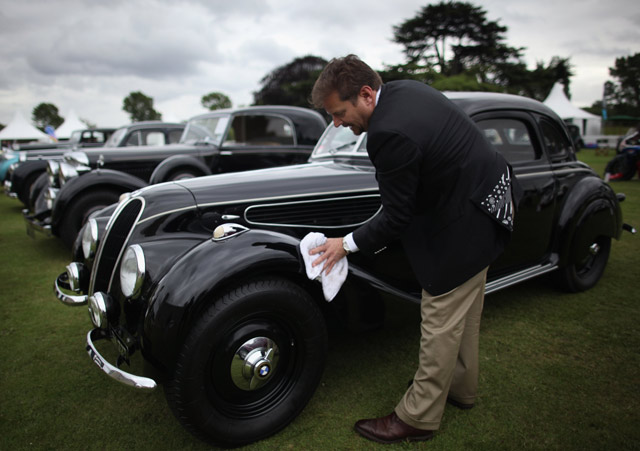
[[320, 213], [112, 245]]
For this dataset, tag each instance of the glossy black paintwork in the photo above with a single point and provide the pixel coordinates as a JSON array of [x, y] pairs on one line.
[[187, 269]]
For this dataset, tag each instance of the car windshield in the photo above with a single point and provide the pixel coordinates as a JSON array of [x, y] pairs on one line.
[[209, 129], [116, 137], [337, 140]]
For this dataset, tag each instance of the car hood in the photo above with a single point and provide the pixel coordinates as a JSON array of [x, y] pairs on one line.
[[281, 183]]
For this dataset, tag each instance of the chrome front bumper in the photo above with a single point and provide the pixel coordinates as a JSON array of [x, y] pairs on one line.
[[139, 382], [62, 283], [35, 226]]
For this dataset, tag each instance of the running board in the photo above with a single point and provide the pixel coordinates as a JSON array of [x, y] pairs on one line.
[[519, 276], [491, 287]]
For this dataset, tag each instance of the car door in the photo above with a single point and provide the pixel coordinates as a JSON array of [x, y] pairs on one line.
[[515, 135]]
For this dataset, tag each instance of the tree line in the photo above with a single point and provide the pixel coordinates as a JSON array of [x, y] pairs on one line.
[[450, 45]]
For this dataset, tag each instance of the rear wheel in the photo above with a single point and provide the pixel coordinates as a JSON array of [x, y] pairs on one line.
[[587, 270], [79, 211], [250, 363]]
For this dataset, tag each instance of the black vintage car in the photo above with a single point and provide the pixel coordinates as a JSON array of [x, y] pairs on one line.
[[203, 280], [223, 141], [33, 163]]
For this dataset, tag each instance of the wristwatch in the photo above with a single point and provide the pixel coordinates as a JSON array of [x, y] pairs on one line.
[[345, 245]]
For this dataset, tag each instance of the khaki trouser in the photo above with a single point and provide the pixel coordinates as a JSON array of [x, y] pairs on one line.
[[448, 357]]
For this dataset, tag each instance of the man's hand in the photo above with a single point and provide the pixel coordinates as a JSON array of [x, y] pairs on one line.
[[332, 251]]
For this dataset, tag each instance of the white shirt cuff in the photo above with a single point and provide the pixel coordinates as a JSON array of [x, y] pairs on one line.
[[352, 244]]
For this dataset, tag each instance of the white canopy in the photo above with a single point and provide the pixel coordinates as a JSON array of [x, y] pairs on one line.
[[71, 123], [590, 124], [21, 130]]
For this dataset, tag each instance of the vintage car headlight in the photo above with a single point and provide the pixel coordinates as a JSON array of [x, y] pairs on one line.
[[132, 271], [90, 239], [65, 173], [101, 309], [53, 168], [78, 276]]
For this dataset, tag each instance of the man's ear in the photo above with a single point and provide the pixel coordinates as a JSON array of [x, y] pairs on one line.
[[368, 94]]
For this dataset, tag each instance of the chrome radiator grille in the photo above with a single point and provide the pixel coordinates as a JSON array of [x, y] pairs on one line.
[[112, 244]]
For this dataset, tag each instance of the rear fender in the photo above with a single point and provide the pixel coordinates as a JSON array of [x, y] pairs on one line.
[[591, 210]]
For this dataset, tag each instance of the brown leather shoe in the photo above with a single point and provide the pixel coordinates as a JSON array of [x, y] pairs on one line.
[[460, 405], [391, 429]]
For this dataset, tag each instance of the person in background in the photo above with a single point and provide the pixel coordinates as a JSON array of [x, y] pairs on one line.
[[448, 196]]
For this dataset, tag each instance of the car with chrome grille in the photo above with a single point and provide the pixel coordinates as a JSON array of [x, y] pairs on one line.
[[202, 281]]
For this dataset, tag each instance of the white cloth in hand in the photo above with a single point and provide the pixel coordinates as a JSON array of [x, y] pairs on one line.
[[332, 282]]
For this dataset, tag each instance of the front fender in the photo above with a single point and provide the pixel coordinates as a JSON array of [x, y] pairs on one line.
[[4, 166], [162, 171], [97, 179], [202, 274], [25, 172], [591, 210]]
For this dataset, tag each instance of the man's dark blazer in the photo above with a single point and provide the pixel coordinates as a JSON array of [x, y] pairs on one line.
[[446, 193]]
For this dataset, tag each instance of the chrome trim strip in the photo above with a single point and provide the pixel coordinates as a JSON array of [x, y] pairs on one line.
[[67, 299], [257, 199], [139, 382], [518, 277], [310, 202]]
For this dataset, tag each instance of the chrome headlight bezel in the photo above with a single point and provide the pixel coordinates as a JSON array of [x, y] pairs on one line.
[[132, 271], [90, 239], [66, 172], [53, 169], [98, 304]]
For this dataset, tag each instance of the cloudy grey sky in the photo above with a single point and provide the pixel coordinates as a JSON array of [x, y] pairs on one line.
[[87, 56]]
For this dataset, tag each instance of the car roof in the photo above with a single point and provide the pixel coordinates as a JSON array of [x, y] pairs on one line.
[[474, 102]]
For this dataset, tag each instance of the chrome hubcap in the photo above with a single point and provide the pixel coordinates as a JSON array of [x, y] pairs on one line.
[[254, 362]]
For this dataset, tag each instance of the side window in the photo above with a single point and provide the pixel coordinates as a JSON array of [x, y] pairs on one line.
[[174, 136], [555, 141], [153, 138], [133, 139], [510, 137], [260, 130]]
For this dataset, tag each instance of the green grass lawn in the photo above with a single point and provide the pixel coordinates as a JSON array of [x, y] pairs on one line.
[[559, 371]]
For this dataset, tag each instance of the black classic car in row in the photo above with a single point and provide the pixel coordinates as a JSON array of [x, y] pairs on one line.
[[22, 177], [223, 141], [203, 280]]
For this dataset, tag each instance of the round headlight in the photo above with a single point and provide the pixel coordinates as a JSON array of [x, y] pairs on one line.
[[132, 271], [90, 239], [98, 309], [53, 168], [66, 172]]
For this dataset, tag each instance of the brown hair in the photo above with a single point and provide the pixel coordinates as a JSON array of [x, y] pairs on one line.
[[345, 75]]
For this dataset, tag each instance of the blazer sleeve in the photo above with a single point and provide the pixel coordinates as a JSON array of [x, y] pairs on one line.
[[397, 160]]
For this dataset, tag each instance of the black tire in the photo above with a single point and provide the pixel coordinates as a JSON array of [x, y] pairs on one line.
[[620, 167], [36, 188], [585, 273], [182, 174], [79, 210], [211, 395], [24, 194]]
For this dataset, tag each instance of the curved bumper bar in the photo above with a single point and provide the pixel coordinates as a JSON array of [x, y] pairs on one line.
[[139, 382], [35, 226], [62, 282]]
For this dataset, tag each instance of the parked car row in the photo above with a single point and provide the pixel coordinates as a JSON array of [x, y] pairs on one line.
[[202, 278]]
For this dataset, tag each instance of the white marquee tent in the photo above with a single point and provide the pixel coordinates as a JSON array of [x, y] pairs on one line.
[[71, 123], [589, 124], [21, 130]]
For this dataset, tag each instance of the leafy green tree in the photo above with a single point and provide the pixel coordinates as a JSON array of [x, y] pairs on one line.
[[290, 84], [623, 94], [140, 107], [46, 114], [215, 101], [453, 37]]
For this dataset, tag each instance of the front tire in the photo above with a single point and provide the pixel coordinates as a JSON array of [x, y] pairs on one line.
[[79, 211], [250, 363]]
